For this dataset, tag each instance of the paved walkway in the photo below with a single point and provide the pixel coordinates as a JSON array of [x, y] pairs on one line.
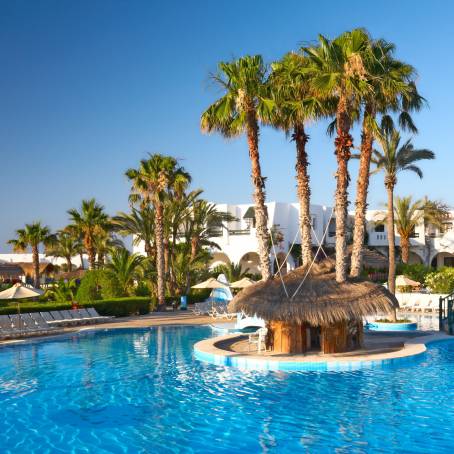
[[143, 321]]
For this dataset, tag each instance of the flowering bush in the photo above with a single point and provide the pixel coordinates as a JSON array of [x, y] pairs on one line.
[[441, 281]]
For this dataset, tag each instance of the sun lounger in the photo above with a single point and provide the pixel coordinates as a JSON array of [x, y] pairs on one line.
[[41, 322], [55, 318], [95, 316], [71, 316], [6, 328], [31, 326]]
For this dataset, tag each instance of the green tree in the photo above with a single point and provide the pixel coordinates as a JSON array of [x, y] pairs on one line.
[[158, 178], [338, 69], [62, 291], [232, 271], [140, 225], [126, 267], [393, 159], [294, 104], [90, 222], [394, 90], [407, 216], [239, 111], [64, 245], [32, 236]]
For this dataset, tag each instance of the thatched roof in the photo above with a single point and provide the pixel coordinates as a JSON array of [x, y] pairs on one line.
[[10, 271], [44, 267], [372, 259], [320, 300], [74, 274]]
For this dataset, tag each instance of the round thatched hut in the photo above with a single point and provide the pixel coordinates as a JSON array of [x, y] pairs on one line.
[[323, 315]]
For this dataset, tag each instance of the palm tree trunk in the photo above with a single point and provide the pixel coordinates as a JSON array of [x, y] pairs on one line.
[[405, 248], [82, 266], [160, 255], [91, 257], [343, 143], [391, 245], [35, 258], [69, 265], [194, 246], [304, 193], [258, 182], [362, 187]]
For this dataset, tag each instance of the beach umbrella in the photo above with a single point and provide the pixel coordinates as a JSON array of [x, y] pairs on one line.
[[210, 283], [19, 291], [242, 283], [404, 281]]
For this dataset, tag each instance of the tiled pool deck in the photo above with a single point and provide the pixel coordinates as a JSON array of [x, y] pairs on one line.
[[217, 351]]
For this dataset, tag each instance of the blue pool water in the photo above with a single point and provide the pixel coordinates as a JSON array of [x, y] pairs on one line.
[[143, 391]]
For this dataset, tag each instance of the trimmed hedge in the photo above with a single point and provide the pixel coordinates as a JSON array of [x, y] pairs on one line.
[[118, 307]]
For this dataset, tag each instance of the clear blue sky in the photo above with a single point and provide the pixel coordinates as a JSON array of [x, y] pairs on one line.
[[87, 88]]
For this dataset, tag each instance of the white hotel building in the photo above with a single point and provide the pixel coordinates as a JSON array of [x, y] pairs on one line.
[[238, 243]]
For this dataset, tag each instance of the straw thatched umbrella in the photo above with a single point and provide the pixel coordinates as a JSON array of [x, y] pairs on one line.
[[17, 292], [323, 313], [242, 283], [210, 283]]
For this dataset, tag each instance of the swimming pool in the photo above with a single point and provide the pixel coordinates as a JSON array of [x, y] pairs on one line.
[[141, 390]]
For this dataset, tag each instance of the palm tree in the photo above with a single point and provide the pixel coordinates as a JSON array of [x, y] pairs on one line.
[[159, 177], [90, 222], [232, 271], [393, 90], [205, 221], [140, 224], [63, 291], [407, 216], [126, 267], [393, 159], [294, 106], [238, 111], [32, 236], [64, 245], [103, 242], [338, 69]]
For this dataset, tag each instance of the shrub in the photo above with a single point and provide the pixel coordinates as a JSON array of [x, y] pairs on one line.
[[122, 307], [110, 286], [417, 271], [118, 307], [96, 285], [441, 281]]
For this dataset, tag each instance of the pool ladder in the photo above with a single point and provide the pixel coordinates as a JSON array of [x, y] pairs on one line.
[[446, 314]]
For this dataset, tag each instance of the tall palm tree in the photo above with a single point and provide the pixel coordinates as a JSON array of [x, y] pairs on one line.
[[407, 216], [393, 159], [126, 267], [239, 111], [91, 221], [32, 235], [338, 68], [64, 245], [158, 178], [295, 104], [393, 90], [140, 224]]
